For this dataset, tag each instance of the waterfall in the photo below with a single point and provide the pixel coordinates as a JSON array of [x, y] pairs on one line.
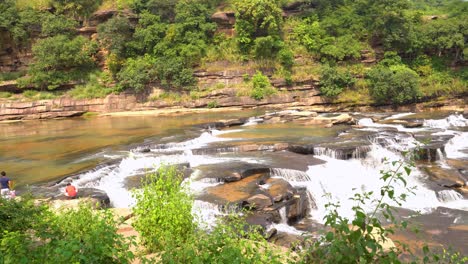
[[253, 121], [284, 218], [289, 175], [455, 120], [457, 147], [358, 152], [449, 196], [338, 180]]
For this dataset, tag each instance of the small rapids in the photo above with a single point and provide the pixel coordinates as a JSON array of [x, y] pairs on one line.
[[336, 180]]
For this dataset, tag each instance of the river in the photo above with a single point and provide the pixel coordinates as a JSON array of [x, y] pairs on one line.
[[113, 153]]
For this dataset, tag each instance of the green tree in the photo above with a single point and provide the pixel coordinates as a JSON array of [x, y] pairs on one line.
[[75, 236], [114, 35], [53, 25], [163, 210], [396, 84], [148, 33], [257, 18], [447, 36], [189, 36], [162, 8], [58, 60], [261, 86], [20, 23], [78, 9], [332, 82], [136, 73]]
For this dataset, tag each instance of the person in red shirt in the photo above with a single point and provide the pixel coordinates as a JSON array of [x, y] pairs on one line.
[[70, 191]]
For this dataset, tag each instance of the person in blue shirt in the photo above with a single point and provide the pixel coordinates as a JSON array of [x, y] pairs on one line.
[[5, 183]]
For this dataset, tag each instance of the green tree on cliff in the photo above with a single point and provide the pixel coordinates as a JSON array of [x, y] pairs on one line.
[[258, 22]]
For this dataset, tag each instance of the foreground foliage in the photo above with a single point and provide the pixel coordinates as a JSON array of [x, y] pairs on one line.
[[33, 234]]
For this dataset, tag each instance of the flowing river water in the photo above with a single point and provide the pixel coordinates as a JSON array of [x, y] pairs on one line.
[[114, 153]]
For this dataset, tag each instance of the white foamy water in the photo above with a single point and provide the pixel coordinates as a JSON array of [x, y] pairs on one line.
[[111, 179], [253, 121], [457, 147], [338, 180], [455, 120], [400, 115]]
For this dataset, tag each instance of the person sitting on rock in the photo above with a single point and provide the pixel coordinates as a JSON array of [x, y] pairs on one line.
[[70, 191], [5, 184]]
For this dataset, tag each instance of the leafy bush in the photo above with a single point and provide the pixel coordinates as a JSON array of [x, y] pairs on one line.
[[316, 39], [257, 18], [212, 104], [5, 94], [163, 210], [261, 86], [286, 58], [231, 241], [58, 60], [148, 33], [397, 84], [266, 47], [136, 73], [172, 71], [53, 25], [79, 9], [96, 87], [114, 34], [332, 82], [32, 234]]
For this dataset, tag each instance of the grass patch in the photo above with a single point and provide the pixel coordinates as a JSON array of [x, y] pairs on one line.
[[171, 97], [91, 91], [36, 95], [98, 86], [358, 95], [5, 94], [36, 4], [90, 114], [9, 76], [116, 4], [301, 73]]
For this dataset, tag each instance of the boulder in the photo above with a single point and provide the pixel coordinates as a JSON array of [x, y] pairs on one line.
[[302, 149], [413, 124], [235, 176], [259, 201]]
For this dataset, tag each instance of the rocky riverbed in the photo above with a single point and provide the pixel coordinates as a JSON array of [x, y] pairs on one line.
[[279, 165]]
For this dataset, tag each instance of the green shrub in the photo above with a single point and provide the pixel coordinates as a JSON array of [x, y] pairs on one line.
[[332, 82], [58, 60], [96, 87], [266, 47], [136, 73], [78, 9], [261, 86], [286, 58], [115, 34], [163, 210], [5, 94], [397, 84], [33, 234], [172, 71], [212, 104], [8, 76], [53, 25], [257, 18], [230, 241]]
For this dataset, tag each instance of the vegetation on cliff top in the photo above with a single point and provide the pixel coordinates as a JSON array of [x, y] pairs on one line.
[[163, 42]]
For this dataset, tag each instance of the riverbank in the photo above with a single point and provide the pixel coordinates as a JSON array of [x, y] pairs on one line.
[[128, 104]]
